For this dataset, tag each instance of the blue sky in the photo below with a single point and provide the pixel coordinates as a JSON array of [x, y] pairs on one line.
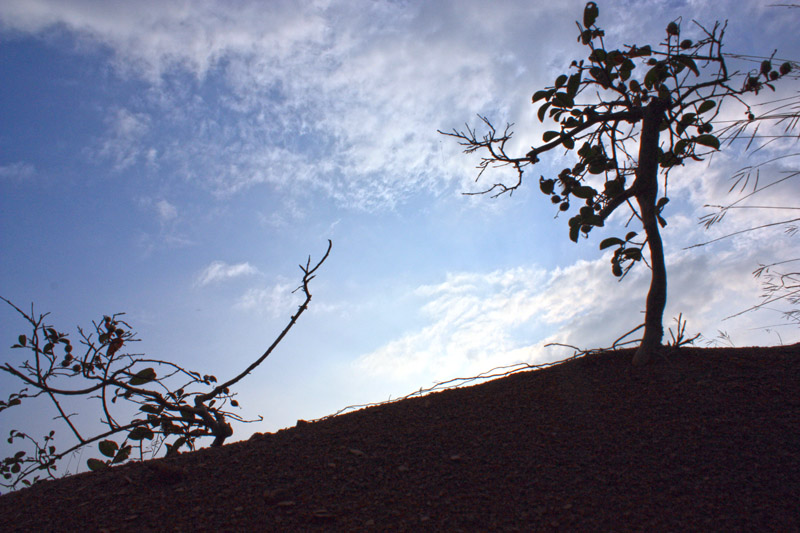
[[177, 160]]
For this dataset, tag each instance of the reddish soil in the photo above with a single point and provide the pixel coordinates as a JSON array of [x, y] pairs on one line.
[[704, 439]]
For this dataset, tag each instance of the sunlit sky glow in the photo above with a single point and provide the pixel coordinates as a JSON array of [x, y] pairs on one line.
[[178, 160]]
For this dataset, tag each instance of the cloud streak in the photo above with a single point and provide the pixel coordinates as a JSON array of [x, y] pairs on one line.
[[219, 271], [274, 301], [336, 99], [483, 320]]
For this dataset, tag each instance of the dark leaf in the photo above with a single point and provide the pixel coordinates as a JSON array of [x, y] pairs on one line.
[[573, 84], [611, 241], [538, 95], [584, 192], [593, 220], [615, 58], [108, 448], [573, 233], [590, 14], [550, 135], [669, 159], [640, 52], [687, 119], [122, 454], [632, 253], [568, 143], [562, 99], [542, 110], [95, 464], [673, 28], [561, 80], [688, 62], [707, 105], [141, 433], [597, 167], [23, 340], [546, 186], [601, 76], [143, 376], [652, 76], [707, 140]]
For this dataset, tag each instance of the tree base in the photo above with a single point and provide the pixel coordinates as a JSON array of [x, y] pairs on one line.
[[644, 354]]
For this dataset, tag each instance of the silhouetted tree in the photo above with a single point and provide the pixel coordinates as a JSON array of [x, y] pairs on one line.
[[630, 114], [170, 407]]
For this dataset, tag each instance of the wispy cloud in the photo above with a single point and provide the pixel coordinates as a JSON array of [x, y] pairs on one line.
[[273, 301], [342, 100], [169, 221], [219, 271], [122, 143], [19, 171], [482, 320], [166, 211]]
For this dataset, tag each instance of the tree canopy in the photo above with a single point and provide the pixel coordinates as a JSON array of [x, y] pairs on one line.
[[629, 115]]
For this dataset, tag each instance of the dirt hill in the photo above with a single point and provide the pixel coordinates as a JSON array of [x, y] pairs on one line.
[[705, 439]]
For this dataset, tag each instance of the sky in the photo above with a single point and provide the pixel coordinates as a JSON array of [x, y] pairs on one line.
[[177, 161]]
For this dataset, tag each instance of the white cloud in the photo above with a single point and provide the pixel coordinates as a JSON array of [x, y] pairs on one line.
[[123, 141], [19, 171], [219, 271], [480, 321], [342, 99], [484, 320], [274, 301], [169, 234], [166, 211]]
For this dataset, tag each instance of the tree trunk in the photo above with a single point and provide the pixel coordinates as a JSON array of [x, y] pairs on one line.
[[646, 187]]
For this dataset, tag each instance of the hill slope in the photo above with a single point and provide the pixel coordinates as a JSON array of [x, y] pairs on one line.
[[706, 439]]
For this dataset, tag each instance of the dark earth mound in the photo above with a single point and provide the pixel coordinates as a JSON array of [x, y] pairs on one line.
[[703, 439]]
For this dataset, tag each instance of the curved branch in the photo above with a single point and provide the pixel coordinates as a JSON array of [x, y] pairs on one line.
[[308, 275]]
